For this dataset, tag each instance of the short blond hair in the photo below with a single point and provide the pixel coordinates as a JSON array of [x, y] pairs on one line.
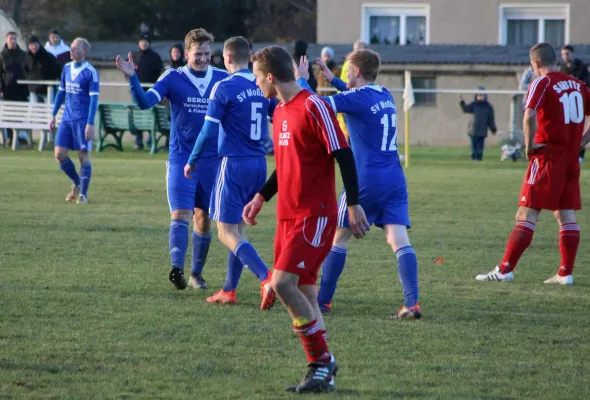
[[198, 36], [544, 54], [367, 61], [84, 42]]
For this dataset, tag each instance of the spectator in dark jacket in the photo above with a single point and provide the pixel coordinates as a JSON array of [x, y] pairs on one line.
[[148, 63], [177, 56], [575, 67], [56, 46], [217, 59], [12, 62], [149, 67], [299, 50], [483, 119], [39, 65]]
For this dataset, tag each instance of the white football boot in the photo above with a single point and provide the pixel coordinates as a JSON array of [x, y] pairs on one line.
[[496, 275], [561, 280]]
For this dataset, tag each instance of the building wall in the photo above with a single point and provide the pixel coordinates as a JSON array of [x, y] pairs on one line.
[[445, 124], [113, 94], [451, 21]]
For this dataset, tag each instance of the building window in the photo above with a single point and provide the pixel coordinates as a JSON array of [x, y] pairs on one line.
[[526, 25], [423, 82], [392, 24]]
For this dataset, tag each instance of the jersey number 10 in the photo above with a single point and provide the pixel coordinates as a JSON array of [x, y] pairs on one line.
[[256, 118], [385, 123], [573, 107]]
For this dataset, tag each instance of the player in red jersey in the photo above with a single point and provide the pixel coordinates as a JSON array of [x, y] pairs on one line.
[[307, 139], [553, 124]]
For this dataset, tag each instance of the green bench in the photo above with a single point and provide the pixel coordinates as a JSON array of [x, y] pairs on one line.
[[115, 119]]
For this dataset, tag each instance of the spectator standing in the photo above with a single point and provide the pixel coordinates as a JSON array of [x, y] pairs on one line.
[[39, 65], [149, 67], [12, 61], [300, 50], [528, 76], [177, 56], [327, 56], [56, 46], [482, 120], [575, 67], [217, 60]]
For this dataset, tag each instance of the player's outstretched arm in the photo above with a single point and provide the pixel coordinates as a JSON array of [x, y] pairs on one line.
[[327, 73], [251, 210], [356, 215], [140, 97]]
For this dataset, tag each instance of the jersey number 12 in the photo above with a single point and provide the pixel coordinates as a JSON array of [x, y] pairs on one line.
[[573, 107], [385, 123], [256, 118]]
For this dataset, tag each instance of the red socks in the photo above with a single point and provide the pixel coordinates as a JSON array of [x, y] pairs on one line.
[[569, 238], [314, 342], [518, 241]]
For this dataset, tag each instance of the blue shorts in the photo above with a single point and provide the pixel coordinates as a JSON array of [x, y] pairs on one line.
[[72, 135], [238, 180], [186, 194], [385, 200]]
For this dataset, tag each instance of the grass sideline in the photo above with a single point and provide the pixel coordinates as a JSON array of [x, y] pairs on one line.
[[86, 310]]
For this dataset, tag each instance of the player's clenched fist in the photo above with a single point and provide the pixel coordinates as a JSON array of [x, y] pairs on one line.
[[252, 209]]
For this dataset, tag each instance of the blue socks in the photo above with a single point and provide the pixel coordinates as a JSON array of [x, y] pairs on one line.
[[234, 272], [408, 274], [178, 242], [251, 260], [331, 271], [200, 250], [85, 174], [68, 167]]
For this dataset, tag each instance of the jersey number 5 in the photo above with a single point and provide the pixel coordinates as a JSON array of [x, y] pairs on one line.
[[385, 123], [573, 107], [256, 118]]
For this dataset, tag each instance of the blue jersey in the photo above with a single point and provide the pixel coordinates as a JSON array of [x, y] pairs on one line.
[[188, 97], [372, 124], [240, 107], [79, 84]]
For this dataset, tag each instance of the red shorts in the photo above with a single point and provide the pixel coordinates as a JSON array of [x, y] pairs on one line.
[[551, 185], [301, 245]]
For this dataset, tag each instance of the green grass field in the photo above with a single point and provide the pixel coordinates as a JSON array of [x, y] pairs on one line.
[[86, 310]]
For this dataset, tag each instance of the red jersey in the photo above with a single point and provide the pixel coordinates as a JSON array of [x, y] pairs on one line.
[[561, 102], [305, 133]]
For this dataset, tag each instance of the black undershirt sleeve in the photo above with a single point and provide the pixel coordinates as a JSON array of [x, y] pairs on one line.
[[345, 160], [271, 187]]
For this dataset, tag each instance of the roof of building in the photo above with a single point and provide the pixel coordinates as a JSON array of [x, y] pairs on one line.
[[390, 54]]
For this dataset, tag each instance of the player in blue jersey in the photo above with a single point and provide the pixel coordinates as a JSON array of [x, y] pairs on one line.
[[371, 117], [187, 89], [79, 90], [239, 107]]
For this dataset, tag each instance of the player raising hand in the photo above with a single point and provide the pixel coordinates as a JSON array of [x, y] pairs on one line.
[[372, 125]]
